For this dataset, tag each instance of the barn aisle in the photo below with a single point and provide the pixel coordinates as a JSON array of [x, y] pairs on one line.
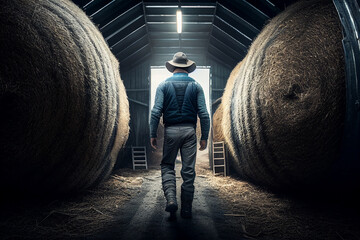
[[144, 217]]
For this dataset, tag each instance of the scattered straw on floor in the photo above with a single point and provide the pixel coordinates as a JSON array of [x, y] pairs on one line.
[[81, 216], [256, 213], [250, 212]]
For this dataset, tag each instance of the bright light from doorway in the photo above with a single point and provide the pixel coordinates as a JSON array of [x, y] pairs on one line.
[[179, 20]]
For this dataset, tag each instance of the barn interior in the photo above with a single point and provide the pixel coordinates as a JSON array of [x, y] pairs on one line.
[[129, 203], [142, 34]]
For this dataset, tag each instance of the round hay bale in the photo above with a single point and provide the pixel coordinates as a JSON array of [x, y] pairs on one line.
[[225, 106], [64, 108], [285, 111]]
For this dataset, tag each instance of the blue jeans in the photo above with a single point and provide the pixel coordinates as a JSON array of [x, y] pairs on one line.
[[178, 137]]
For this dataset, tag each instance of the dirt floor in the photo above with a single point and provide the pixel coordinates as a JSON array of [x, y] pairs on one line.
[[130, 205]]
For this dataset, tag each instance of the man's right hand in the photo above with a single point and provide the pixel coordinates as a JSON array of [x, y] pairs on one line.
[[153, 143], [203, 145]]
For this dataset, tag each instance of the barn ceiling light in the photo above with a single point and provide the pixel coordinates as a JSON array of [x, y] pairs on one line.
[[179, 20]]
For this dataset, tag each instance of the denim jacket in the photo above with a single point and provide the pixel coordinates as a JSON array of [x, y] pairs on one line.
[[180, 99]]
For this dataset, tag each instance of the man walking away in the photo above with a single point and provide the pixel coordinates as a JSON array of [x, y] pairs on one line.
[[180, 99]]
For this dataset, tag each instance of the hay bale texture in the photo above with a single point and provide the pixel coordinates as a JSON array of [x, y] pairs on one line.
[[64, 109], [283, 116], [218, 120]]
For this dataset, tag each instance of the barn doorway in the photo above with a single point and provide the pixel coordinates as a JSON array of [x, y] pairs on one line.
[[202, 75]]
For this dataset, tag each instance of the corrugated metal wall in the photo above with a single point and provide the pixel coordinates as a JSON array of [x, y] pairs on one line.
[[219, 76], [136, 81]]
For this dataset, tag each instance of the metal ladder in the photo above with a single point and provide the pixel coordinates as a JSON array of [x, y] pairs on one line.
[[219, 163], [139, 158]]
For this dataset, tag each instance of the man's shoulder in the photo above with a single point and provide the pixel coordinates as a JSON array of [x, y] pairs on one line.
[[197, 85], [161, 84]]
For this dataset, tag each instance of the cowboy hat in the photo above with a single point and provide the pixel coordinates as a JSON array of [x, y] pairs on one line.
[[180, 60]]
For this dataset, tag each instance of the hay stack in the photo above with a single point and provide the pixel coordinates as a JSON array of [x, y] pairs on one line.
[[63, 105], [283, 117]]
